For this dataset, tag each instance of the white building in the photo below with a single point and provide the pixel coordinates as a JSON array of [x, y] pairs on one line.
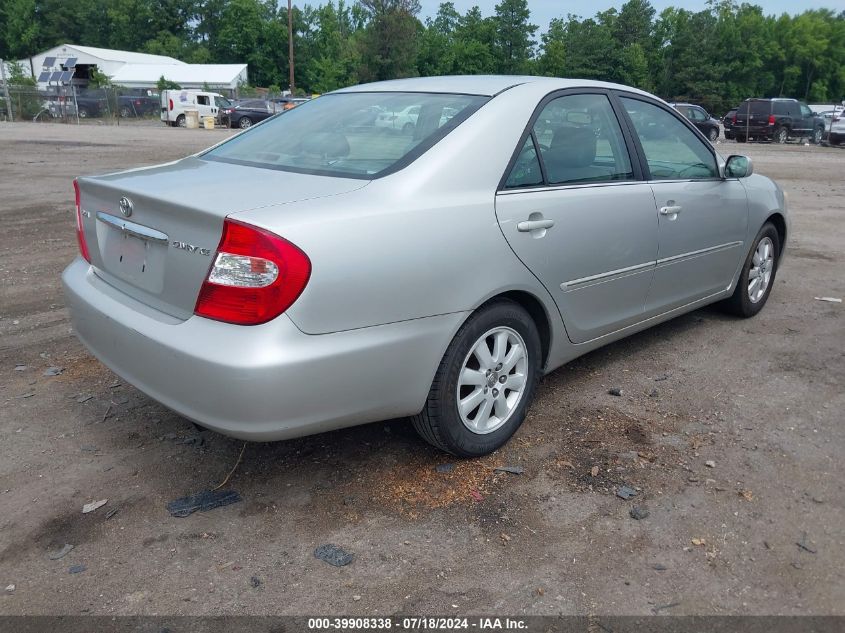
[[125, 68], [218, 77]]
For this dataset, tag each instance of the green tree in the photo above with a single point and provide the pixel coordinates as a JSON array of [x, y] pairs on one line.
[[514, 33], [389, 45]]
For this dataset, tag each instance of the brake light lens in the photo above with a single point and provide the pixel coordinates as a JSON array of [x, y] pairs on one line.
[[771, 119], [734, 120], [80, 234], [170, 103], [256, 276]]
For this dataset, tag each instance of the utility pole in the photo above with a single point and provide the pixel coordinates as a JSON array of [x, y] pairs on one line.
[[290, 46], [6, 88]]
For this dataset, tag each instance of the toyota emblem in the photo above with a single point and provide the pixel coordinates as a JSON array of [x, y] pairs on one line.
[[125, 206]]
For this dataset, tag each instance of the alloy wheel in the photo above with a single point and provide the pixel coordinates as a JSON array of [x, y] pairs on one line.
[[492, 380], [760, 273]]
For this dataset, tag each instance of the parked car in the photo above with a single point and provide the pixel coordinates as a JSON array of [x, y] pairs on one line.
[[727, 123], [837, 129], [90, 105], [776, 120], [313, 273], [700, 118], [404, 119], [139, 103], [245, 113]]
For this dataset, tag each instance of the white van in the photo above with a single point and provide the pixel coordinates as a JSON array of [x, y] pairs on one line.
[[175, 102]]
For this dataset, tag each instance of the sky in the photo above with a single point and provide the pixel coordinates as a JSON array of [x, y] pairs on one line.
[[542, 11]]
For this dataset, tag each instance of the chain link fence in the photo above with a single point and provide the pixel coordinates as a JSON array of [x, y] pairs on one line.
[[67, 104]]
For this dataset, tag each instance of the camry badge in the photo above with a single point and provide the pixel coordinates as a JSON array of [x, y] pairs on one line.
[[125, 206]]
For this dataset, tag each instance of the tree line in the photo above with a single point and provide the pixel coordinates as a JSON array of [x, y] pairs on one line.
[[715, 57]]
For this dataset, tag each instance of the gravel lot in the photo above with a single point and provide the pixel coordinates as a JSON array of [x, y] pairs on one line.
[[762, 399]]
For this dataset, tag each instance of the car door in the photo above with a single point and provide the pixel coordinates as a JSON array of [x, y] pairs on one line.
[[702, 217], [574, 208], [808, 120]]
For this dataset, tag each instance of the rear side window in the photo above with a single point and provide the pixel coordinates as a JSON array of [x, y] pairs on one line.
[[580, 141], [672, 150], [353, 135], [758, 108], [780, 108]]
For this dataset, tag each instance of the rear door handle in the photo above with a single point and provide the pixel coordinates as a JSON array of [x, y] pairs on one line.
[[534, 225], [671, 210]]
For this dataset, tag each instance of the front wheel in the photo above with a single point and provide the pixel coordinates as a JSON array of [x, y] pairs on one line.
[[758, 274], [244, 122], [817, 136], [485, 382]]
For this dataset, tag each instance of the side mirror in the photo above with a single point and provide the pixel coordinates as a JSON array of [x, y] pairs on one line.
[[738, 167]]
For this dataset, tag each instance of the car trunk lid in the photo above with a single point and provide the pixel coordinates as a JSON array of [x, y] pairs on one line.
[[152, 233]]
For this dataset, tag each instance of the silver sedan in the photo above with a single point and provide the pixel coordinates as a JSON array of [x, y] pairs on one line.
[[320, 270]]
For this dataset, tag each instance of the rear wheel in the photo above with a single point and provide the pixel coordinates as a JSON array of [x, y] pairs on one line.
[[780, 135], [713, 134], [485, 382], [83, 112], [741, 139], [181, 121], [125, 112], [758, 274]]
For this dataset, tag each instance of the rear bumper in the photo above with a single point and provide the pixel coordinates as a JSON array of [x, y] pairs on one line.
[[266, 382]]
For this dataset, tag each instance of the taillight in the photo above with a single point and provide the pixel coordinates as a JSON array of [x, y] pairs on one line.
[[170, 102], [771, 119], [80, 233], [255, 277], [734, 120]]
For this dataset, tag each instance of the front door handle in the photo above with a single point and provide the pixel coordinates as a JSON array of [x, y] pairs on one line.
[[671, 210], [527, 226]]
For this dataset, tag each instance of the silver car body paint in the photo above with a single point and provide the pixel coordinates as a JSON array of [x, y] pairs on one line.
[[398, 264]]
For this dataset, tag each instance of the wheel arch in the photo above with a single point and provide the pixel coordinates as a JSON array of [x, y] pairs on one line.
[[779, 222], [538, 313]]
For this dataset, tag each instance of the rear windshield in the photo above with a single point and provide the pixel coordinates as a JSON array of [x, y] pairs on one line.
[[757, 107], [357, 135]]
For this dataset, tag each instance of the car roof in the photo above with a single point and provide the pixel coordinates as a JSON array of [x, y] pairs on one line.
[[482, 85]]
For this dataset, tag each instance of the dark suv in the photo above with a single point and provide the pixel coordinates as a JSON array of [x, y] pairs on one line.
[[700, 118], [776, 120]]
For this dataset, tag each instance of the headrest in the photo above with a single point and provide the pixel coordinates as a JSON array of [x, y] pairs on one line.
[[331, 144], [573, 147]]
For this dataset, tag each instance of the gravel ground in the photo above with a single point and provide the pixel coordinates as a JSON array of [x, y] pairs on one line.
[[760, 401]]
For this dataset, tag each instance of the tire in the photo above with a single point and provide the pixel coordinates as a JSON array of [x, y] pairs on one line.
[[713, 134], [816, 138], [125, 112], [441, 423], [244, 122], [741, 303], [83, 113], [741, 139], [780, 135], [181, 121], [408, 128]]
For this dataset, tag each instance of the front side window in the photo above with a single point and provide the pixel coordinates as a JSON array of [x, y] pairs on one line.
[[355, 135], [672, 150], [580, 141], [806, 111]]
